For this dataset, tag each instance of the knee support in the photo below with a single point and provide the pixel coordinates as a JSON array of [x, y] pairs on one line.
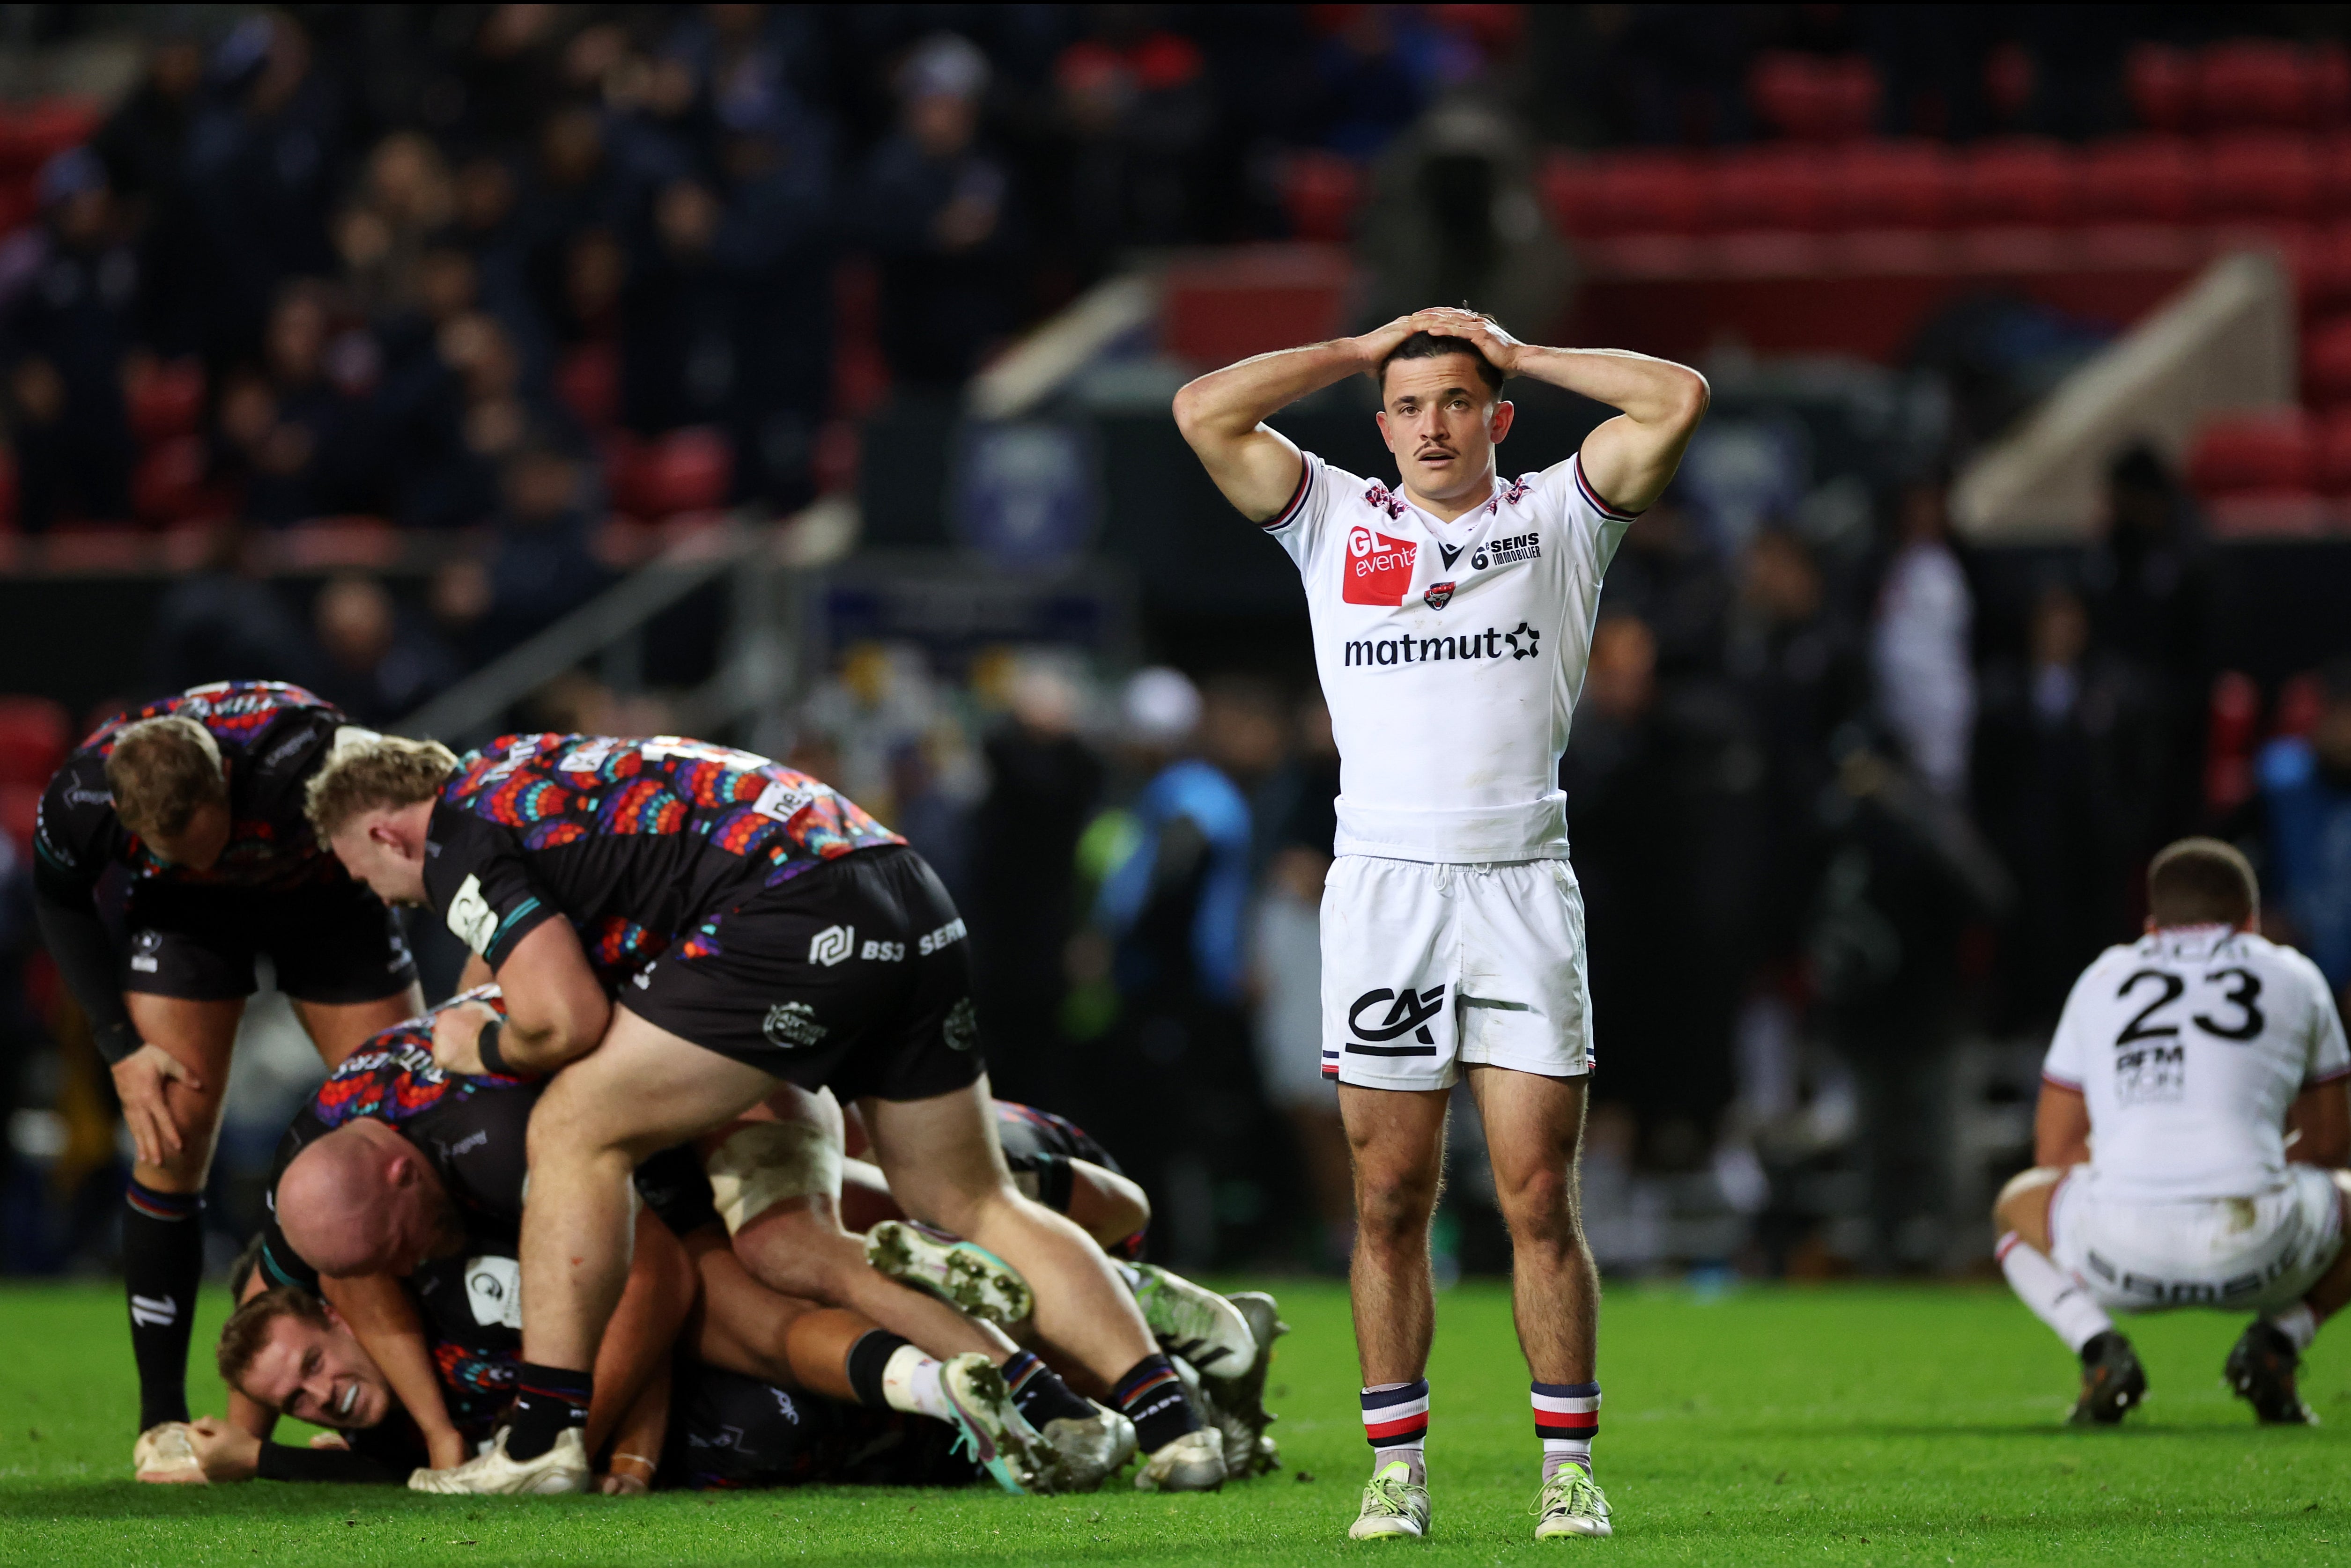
[[762, 1164]]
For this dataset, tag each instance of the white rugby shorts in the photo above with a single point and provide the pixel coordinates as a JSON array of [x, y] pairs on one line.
[[1428, 968], [2246, 1254]]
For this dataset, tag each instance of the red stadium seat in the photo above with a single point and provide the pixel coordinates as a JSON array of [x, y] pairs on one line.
[[35, 734], [2330, 84], [32, 135], [2326, 361], [2142, 179], [2333, 465], [20, 813], [588, 382], [2301, 700], [166, 398], [2254, 454], [1322, 193], [2323, 273], [168, 482], [1893, 185], [1648, 193], [684, 471], [1811, 97], [2253, 81], [1570, 190], [19, 202], [2162, 83], [2262, 175], [2028, 179], [1769, 187], [2232, 726]]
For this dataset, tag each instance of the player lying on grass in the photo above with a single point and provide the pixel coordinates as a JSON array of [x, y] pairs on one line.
[[2189, 1147], [199, 799], [1452, 616], [689, 928], [401, 1169]]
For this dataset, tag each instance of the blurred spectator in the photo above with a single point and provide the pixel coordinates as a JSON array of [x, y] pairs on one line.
[[69, 309], [935, 216], [1668, 577], [2068, 771], [541, 563], [376, 667], [2148, 581], [2306, 798], [1364, 83], [223, 622], [1044, 784], [1921, 648], [145, 147], [1286, 954], [306, 431], [1138, 112], [678, 360], [1454, 217]]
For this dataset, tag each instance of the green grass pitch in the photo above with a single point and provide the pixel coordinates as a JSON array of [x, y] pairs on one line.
[[1819, 1425]]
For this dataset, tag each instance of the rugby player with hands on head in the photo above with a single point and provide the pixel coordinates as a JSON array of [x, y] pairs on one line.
[[190, 811], [1452, 617], [2190, 1144], [684, 929]]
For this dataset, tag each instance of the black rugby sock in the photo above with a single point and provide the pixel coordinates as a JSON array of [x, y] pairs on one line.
[[547, 1400], [869, 1358], [1151, 1396], [162, 1265], [1040, 1394]]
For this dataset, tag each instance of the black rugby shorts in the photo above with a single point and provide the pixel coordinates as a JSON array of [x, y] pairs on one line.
[[332, 942], [854, 976]]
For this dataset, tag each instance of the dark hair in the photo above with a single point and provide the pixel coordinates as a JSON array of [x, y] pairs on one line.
[[248, 1329], [1430, 345], [2200, 882]]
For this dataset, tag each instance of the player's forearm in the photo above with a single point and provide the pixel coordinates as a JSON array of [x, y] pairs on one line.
[[1648, 391], [84, 953], [1226, 405], [386, 1323]]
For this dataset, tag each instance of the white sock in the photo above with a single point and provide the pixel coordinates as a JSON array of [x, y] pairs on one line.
[[2061, 1301], [1414, 1455], [910, 1382], [1558, 1451], [2298, 1324]]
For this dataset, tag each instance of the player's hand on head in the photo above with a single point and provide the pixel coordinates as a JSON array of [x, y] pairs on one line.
[[1502, 349], [1379, 341], [457, 1036], [139, 1082], [227, 1451]]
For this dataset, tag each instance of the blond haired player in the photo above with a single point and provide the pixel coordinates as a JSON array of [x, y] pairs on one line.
[[2188, 1146], [1452, 614]]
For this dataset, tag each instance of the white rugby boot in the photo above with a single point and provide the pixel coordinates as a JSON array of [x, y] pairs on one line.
[[1396, 1506], [1193, 1322], [1238, 1397], [562, 1469], [1570, 1504], [165, 1453], [964, 1274], [1192, 1462], [998, 1439], [1079, 1455]]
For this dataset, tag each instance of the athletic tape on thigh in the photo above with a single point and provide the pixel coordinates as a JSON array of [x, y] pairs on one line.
[[762, 1164]]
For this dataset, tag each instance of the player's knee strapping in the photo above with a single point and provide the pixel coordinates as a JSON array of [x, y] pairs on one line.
[[762, 1164]]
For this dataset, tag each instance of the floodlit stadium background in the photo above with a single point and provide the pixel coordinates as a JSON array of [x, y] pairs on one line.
[[799, 378]]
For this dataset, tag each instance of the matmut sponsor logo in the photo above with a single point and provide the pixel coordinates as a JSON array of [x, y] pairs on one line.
[[1523, 642], [1378, 569]]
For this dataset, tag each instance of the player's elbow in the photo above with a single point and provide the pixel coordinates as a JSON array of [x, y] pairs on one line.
[[1687, 400], [1189, 414]]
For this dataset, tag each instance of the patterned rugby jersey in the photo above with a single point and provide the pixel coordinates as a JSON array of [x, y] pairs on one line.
[[272, 738], [641, 843]]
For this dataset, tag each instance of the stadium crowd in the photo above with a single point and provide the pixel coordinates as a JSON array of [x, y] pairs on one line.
[[520, 269]]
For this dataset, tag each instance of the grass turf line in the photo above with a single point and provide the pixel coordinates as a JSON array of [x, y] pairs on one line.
[[1854, 1424]]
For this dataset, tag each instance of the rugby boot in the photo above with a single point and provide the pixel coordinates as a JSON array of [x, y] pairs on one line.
[[1192, 1462], [1396, 1506], [562, 1469], [1193, 1322], [1238, 1400], [1077, 1455], [2260, 1369], [1570, 1504], [964, 1274], [2112, 1382], [995, 1434], [164, 1452]]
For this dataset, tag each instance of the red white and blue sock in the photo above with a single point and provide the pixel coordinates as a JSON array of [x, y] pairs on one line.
[[1567, 1415], [1395, 1422]]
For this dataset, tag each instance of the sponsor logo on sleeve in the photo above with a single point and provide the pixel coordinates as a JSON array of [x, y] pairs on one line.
[[961, 1027], [832, 944], [470, 917], [783, 801]]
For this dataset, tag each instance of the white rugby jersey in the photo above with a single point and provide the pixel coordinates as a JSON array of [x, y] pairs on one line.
[[2188, 1045], [1452, 655]]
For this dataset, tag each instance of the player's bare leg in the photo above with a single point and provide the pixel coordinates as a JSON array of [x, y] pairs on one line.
[[2113, 1381], [1396, 1139], [175, 1122], [946, 1165], [799, 1248], [2261, 1366]]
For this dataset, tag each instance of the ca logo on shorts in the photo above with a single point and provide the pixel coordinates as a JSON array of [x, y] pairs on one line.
[[832, 944], [1408, 1013]]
